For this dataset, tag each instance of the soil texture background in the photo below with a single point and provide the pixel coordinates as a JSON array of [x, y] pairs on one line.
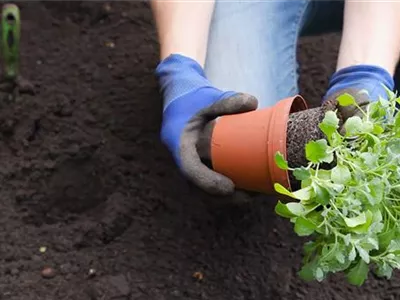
[[84, 175]]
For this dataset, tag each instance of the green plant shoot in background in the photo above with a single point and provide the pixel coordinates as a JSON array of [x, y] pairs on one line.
[[10, 40]]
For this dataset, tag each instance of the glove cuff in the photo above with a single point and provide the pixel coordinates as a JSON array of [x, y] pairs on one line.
[[175, 63], [179, 75], [362, 77]]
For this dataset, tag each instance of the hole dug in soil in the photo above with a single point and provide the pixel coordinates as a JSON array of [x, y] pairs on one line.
[[76, 190]]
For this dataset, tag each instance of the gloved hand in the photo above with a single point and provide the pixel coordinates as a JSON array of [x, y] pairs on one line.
[[190, 102], [353, 80]]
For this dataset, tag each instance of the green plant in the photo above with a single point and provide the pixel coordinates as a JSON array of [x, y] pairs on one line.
[[10, 40], [351, 211]]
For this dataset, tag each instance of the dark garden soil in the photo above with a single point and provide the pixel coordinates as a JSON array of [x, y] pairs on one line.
[[83, 174]]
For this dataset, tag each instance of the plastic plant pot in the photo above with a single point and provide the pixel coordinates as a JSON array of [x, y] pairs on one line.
[[243, 146]]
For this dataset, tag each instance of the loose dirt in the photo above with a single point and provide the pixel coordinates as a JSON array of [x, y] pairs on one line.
[[92, 205]]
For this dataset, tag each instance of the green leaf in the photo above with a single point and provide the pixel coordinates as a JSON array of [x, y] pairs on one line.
[[377, 129], [377, 111], [289, 210], [347, 239], [317, 151], [370, 159], [355, 221], [309, 247], [346, 100], [373, 140], [281, 161], [322, 194], [315, 217], [329, 124], [301, 173], [394, 245], [370, 244], [304, 227], [328, 252], [376, 187], [295, 208], [307, 272], [367, 126], [282, 190], [336, 187], [358, 274], [352, 254], [303, 194], [363, 254], [282, 210], [307, 182], [322, 174], [363, 228], [386, 237], [384, 270], [319, 274], [340, 174], [336, 139], [353, 125], [340, 257], [397, 121], [376, 215], [394, 146]]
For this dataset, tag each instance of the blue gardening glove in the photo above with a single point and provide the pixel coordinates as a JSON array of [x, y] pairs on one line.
[[352, 80], [190, 103]]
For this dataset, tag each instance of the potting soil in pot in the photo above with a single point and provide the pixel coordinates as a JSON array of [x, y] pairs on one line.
[[92, 205], [302, 128]]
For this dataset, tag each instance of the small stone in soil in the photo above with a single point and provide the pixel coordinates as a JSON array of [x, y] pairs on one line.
[[110, 44], [198, 276], [48, 273]]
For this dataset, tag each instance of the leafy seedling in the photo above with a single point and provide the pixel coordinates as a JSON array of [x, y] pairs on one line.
[[351, 212], [12, 82]]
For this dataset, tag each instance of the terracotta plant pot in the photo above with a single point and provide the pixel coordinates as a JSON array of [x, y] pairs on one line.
[[243, 146]]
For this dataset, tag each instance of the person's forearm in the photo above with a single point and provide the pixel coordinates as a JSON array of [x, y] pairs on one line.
[[183, 27], [371, 34]]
